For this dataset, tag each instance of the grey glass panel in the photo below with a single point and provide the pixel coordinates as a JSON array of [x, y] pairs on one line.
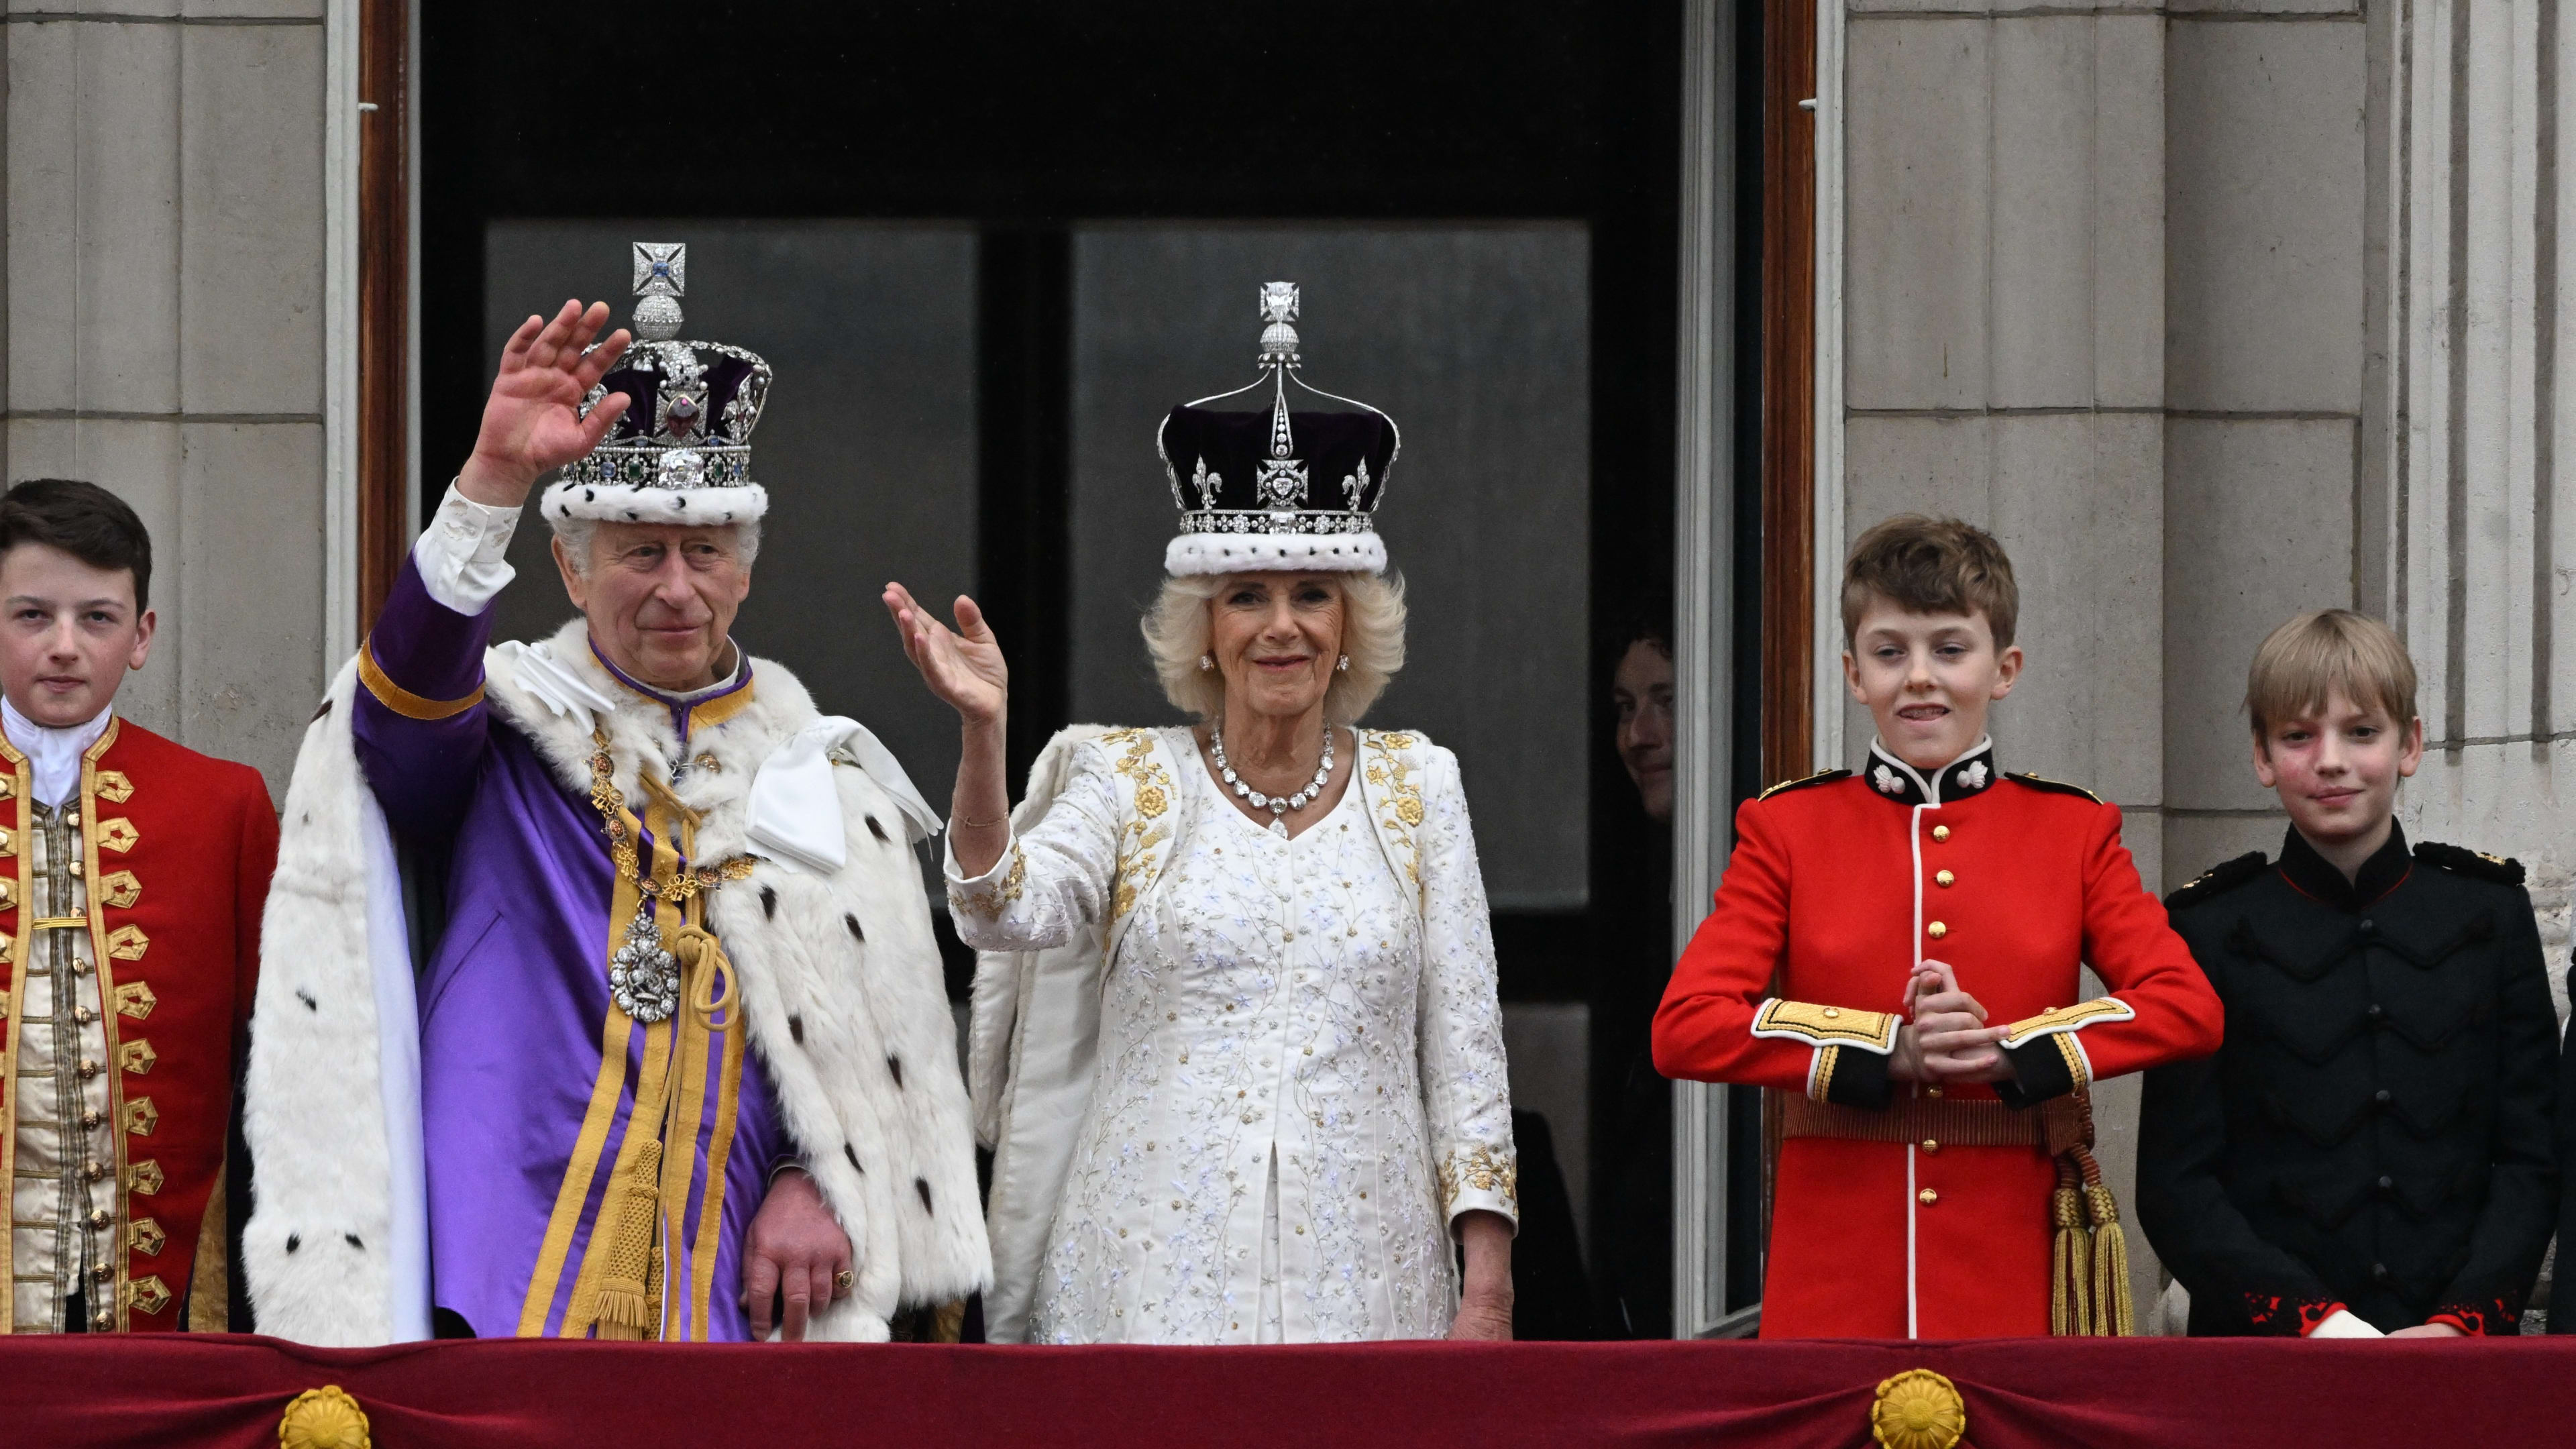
[[867, 448], [1478, 341]]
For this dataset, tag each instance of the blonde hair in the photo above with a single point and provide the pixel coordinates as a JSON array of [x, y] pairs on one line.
[[1178, 631], [1931, 566], [2322, 650]]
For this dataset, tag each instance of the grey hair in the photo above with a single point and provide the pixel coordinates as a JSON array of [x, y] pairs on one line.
[[1178, 631], [577, 535]]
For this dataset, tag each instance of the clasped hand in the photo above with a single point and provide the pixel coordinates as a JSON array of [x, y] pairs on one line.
[[1945, 1037]]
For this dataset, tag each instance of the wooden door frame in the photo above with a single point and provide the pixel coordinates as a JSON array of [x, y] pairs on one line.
[[384, 300], [1788, 364]]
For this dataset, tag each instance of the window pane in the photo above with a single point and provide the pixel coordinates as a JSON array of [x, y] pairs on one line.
[[867, 447], [1477, 341]]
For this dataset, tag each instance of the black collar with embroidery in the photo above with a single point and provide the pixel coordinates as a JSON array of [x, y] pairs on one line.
[[2316, 877], [1971, 774]]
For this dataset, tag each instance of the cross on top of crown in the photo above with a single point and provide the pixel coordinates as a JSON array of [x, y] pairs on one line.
[[661, 269]]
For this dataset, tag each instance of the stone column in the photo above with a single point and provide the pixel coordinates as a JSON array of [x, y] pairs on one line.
[[164, 314], [2481, 559]]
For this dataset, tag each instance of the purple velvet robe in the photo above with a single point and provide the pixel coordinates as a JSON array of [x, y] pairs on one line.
[[512, 1003]]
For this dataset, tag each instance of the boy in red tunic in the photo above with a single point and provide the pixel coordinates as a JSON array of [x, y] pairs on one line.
[[1867, 931], [132, 875]]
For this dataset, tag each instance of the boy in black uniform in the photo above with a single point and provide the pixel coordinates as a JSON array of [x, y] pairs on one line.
[[2370, 1152]]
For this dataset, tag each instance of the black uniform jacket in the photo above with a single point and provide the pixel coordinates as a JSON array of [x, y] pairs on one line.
[[2376, 1132]]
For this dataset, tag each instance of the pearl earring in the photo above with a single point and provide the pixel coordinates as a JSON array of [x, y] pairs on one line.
[[1345, 665], [1206, 662]]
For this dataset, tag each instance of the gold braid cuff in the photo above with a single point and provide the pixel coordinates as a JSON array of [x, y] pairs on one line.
[[1871, 1031], [2067, 1018], [402, 701]]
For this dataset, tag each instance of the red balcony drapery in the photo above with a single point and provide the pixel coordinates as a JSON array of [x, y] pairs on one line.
[[188, 1392]]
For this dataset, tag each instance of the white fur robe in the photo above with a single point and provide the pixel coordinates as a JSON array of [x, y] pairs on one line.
[[839, 978]]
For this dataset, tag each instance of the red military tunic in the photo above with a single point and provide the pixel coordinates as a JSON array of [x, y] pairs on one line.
[[172, 851], [1838, 887]]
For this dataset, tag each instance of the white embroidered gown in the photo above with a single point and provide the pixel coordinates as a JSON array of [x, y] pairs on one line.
[[1297, 1094]]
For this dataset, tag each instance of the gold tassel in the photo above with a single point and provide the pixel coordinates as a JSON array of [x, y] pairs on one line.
[[2113, 1315], [2070, 1308], [626, 1302]]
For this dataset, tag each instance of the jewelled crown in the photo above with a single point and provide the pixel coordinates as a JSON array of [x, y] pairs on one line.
[[1276, 489], [682, 452]]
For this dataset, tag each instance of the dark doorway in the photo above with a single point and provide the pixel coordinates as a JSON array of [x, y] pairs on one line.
[[1073, 193]]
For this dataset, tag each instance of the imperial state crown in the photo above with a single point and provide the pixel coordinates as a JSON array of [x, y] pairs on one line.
[[682, 452]]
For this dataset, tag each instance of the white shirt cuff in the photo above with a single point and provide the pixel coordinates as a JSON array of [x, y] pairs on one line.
[[463, 553], [2343, 1324], [959, 882]]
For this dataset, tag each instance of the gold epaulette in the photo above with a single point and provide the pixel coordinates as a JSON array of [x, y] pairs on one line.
[[2060, 787], [1819, 778], [1871, 1031]]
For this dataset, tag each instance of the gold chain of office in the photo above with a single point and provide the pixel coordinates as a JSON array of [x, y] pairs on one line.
[[611, 805]]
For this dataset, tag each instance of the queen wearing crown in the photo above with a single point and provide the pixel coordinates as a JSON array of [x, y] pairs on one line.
[[1234, 1040]]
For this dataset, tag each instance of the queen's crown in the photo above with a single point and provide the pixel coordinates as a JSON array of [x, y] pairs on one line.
[[1277, 471]]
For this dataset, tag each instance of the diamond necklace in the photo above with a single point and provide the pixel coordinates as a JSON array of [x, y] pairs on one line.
[[1277, 805]]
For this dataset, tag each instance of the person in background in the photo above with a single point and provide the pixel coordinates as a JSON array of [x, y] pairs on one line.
[[2370, 1153], [1641, 691], [1635, 1199], [1935, 1180], [133, 873]]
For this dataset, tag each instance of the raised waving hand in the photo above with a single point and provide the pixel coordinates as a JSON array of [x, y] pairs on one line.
[[532, 423], [963, 666]]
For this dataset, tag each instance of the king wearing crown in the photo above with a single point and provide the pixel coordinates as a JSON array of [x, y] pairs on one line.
[[601, 994]]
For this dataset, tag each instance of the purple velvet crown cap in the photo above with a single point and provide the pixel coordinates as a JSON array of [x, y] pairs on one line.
[[1346, 457]]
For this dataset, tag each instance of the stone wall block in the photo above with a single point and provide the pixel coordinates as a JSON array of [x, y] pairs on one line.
[[94, 7], [250, 335], [252, 9], [2043, 212], [1919, 228], [2258, 526], [2142, 832], [2264, 7], [1942, 466], [2264, 190], [2128, 204], [138, 462], [251, 498], [2193, 842], [43, 269], [2078, 501], [2508, 800], [126, 211]]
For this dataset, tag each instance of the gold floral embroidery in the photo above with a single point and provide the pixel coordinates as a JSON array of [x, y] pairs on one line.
[[1139, 837], [1393, 777], [1483, 1169], [989, 901]]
